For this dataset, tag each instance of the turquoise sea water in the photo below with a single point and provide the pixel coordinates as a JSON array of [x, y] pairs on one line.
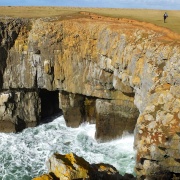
[[24, 155]]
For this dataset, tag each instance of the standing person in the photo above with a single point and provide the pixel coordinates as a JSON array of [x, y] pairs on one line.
[[165, 16]]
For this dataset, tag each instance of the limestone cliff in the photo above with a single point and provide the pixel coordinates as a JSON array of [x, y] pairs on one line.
[[119, 73]]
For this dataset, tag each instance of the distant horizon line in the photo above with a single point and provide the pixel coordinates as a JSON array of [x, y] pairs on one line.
[[86, 7]]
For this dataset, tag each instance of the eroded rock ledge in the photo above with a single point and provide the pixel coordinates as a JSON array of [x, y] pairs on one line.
[[104, 70]]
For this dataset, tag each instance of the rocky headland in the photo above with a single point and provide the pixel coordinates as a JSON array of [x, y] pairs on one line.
[[121, 74]]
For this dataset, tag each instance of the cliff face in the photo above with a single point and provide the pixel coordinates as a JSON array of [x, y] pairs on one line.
[[117, 73]]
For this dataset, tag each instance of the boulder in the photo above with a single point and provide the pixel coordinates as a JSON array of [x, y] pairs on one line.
[[68, 166], [71, 166]]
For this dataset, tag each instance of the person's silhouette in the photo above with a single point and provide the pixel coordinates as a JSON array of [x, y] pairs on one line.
[[165, 16]]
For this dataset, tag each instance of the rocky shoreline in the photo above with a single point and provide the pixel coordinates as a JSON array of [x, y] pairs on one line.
[[73, 167]]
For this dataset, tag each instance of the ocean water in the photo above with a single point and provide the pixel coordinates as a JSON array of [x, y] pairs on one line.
[[24, 155]]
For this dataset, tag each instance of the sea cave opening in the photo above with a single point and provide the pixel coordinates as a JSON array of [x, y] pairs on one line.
[[49, 104]]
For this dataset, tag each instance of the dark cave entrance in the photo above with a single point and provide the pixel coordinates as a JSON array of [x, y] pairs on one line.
[[49, 104]]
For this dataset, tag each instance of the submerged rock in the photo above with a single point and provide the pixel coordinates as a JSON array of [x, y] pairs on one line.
[[71, 166]]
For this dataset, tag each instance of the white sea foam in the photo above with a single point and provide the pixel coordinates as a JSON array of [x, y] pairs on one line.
[[23, 155]]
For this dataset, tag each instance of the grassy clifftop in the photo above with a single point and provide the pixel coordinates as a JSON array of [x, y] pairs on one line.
[[151, 16]]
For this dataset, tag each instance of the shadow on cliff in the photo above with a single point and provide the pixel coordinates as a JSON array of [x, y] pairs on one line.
[[9, 31], [49, 105], [3, 57]]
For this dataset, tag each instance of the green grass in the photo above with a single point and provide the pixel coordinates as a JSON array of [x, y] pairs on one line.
[[151, 16]]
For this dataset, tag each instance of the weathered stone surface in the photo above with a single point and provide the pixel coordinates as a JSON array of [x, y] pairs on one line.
[[157, 129], [18, 110], [72, 106], [90, 109], [68, 166], [77, 108], [115, 117]]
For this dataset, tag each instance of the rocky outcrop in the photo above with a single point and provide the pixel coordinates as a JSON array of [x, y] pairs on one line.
[[76, 105], [18, 110], [125, 69], [70, 166], [114, 117], [73, 108]]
